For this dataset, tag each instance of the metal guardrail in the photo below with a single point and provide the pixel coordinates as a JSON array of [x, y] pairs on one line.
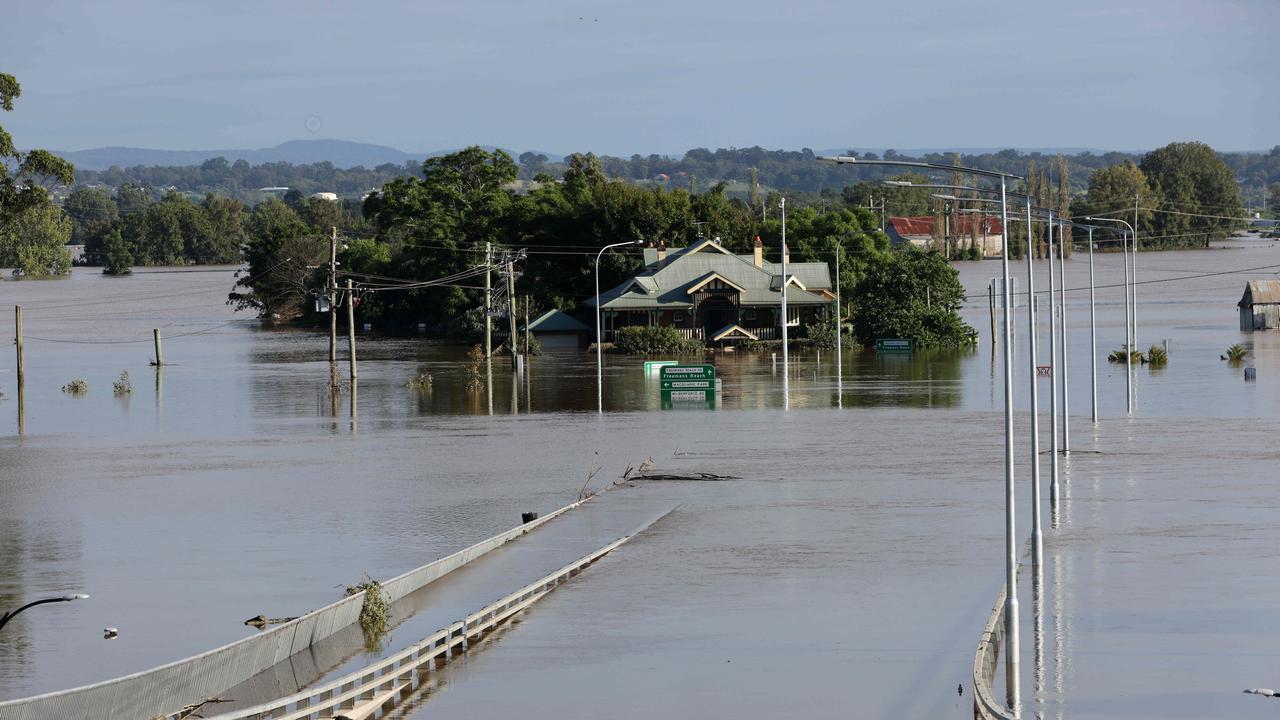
[[361, 693], [985, 706], [161, 691]]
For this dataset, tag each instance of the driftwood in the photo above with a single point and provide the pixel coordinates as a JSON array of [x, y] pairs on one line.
[[702, 476], [261, 621], [190, 710]]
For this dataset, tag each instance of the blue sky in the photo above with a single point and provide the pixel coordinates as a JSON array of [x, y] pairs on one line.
[[643, 76]]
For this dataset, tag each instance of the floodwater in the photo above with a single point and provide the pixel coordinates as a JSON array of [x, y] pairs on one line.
[[850, 571]]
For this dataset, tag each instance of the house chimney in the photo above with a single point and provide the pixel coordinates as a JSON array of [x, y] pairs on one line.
[[662, 252], [759, 250]]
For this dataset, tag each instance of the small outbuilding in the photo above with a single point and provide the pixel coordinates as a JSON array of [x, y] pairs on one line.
[[1260, 306], [556, 329]]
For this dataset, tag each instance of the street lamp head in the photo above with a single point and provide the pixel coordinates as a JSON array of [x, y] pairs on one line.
[[838, 159], [941, 196], [897, 183], [76, 596]]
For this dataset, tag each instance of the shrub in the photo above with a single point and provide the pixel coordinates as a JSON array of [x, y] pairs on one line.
[[475, 378], [373, 612], [122, 386], [821, 335], [1236, 353], [421, 383], [1117, 356], [654, 340], [76, 387], [1157, 355]]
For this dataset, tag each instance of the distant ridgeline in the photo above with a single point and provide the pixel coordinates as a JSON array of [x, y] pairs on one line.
[[699, 169]]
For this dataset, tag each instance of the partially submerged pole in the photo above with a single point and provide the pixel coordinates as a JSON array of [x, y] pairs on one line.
[[17, 323], [155, 335], [786, 370], [1093, 331], [351, 337], [1012, 678], [1054, 371], [1037, 542], [1062, 297]]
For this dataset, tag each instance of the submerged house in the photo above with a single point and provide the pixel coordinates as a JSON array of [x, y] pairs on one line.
[[1260, 305], [984, 232], [713, 295]]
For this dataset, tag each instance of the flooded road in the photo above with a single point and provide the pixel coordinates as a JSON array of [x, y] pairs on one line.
[[851, 568]]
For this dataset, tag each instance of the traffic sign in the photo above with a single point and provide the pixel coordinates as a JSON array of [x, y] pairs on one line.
[[688, 377], [893, 345]]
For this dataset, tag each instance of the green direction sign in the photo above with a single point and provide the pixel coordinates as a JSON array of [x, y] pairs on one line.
[[688, 377], [893, 345], [678, 399]]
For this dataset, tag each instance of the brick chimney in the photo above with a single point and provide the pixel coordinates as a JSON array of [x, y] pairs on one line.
[[759, 251], [662, 253]]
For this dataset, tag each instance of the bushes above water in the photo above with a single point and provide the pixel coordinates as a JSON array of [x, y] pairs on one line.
[[654, 340]]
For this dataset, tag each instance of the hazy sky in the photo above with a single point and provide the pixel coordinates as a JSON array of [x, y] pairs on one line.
[[643, 75]]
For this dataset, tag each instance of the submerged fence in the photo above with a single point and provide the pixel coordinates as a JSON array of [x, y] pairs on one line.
[[164, 690]]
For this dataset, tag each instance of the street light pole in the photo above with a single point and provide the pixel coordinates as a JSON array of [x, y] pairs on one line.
[[1129, 311], [1062, 298], [1012, 682], [1037, 542], [1093, 332], [5, 618], [1054, 371], [786, 369], [599, 350]]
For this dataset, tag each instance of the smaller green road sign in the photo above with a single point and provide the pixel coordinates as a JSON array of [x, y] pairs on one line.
[[893, 345], [687, 377]]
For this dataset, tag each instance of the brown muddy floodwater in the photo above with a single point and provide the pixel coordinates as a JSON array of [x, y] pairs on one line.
[[848, 573]]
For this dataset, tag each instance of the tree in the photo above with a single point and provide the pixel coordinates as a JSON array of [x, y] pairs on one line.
[[913, 294], [227, 236], [1113, 189], [22, 175], [1190, 180], [440, 224], [281, 255], [93, 212], [117, 254], [35, 242]]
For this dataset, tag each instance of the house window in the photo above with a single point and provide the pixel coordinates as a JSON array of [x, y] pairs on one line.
[[677, 317], [750, 315]]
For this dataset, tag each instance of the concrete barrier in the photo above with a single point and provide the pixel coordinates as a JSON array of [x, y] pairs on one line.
[[985, 706], [164, 690]]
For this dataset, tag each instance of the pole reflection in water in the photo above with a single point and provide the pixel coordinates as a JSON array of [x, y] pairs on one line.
[[1037, 611], [22, 407], [159, 393], [1061, 631], [515, 394], [528, 397], [488, 384], [354, 385]]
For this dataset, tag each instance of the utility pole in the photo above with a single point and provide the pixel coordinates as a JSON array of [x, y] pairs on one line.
[[488, 301], [511, 311], [333, 296], [17, 326], [351, 335], [527, 352]]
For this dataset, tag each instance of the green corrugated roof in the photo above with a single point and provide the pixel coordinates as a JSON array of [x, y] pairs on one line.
[[666, 286], [556, 321]]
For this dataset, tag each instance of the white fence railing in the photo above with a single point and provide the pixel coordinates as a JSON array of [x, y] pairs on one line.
[[360, 694]]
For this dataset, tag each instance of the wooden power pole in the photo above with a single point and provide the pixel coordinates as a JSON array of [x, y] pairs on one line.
[[488, 301], [333, 308]]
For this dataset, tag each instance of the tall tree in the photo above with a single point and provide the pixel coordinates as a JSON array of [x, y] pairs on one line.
[[93, 212], [1196, 192], [281, 255], [34, 242], [23, 175]]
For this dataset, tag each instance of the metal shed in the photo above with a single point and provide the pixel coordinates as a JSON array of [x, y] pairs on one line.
[[1260, 305]]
